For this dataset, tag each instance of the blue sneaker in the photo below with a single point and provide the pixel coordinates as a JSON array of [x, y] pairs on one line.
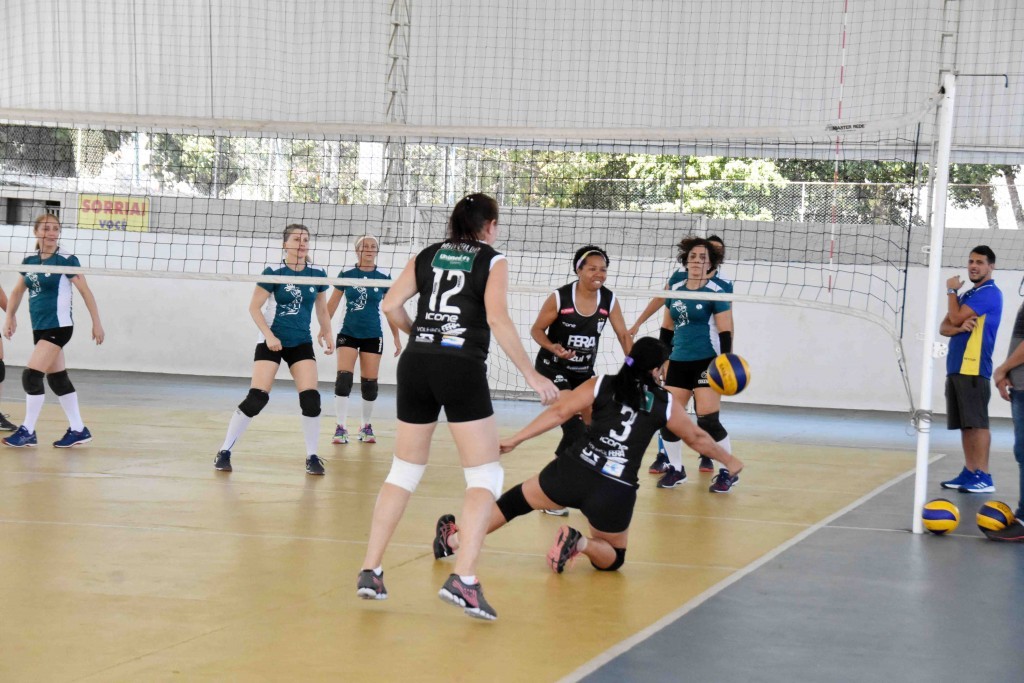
[[72, 438], [21, 438], [981, 482], [672, 478], [959, 480]]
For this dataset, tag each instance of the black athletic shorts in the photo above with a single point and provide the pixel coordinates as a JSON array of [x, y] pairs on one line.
[[564, 380], [290, 354], [967, 398], [55, 335], [361, 344], [688, 374], [607, 504], [428, 382]]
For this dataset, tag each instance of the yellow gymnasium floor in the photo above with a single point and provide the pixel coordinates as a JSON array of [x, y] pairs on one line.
[[131, 559]]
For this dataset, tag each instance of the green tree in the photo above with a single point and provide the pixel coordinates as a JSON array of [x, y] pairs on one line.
[[209, 165]]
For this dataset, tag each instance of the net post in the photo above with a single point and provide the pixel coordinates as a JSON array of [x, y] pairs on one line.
[[931, 314]]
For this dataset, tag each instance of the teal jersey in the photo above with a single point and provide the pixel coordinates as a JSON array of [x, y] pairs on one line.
[[696, 336], [681, 276], [49, 294], [362, 305], [290, 307]]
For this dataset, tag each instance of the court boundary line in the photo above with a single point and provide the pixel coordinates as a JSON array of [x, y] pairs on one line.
[[675, 615]]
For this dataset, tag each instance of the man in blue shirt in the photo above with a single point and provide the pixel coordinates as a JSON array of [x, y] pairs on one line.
[[971, 323]]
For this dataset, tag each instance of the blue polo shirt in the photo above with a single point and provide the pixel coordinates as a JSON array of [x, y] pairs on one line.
[[970, 353]]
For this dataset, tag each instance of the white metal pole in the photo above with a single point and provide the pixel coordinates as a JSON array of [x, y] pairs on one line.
[[940, 169]]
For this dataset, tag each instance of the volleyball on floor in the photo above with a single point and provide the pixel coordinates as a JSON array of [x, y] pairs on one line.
[[994, 515], [728, 374], [940, 516]]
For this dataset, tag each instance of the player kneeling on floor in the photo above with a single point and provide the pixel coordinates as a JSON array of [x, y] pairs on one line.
[[599, 476]]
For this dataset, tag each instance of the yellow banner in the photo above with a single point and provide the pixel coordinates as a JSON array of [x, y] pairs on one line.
[[122, 213]]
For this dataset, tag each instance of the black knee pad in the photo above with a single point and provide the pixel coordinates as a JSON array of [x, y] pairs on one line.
[[60, 383], [309, 402], [368, 388], [620, 559], [668, 435], [3, 370], [343, 384], [710, 424], [32, 382], [513, 503], [255, 401]]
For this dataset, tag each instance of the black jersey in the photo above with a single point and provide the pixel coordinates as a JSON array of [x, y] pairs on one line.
[[450, 317], [618, 435], [575, 331]]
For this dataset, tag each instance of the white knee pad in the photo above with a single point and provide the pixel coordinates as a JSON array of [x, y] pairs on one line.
[[404, 474], [490, 476]]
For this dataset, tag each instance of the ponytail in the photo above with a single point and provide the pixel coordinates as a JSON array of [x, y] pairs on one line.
[[634, 378], [470, 216]]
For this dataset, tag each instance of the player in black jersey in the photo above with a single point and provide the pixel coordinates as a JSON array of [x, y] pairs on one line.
[[462, 285], [568, 329], [599, 475]]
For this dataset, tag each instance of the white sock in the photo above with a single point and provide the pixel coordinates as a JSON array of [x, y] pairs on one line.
[[341, 408], [311, 433], [367, 411], [69, 402], [674, 451], [33, 406], [236, 427], [468, 580]]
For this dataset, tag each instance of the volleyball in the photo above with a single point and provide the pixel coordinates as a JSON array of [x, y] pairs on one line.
[[994, 515], [940, 516], [728, 374]]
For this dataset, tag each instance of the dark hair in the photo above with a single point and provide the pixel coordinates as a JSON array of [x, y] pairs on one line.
[[469, 217], [688, 244], [986, 252], [635, 377], [715, 238], [295, 227], [586, 252]]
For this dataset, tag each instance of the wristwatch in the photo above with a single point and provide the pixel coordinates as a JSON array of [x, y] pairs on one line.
[[950, 291]]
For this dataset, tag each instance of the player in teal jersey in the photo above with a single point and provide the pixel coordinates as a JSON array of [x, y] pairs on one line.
[[284, 335], [702, 330], [5, 424], [360, 336], [49, 303], [661, 464]]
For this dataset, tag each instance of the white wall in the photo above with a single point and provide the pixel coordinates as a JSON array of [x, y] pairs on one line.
[[798, 357]]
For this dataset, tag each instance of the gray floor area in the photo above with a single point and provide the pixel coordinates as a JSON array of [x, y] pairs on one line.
[[859, 599]]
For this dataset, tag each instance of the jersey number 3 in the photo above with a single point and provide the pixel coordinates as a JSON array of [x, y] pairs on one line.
[[627, 425]]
